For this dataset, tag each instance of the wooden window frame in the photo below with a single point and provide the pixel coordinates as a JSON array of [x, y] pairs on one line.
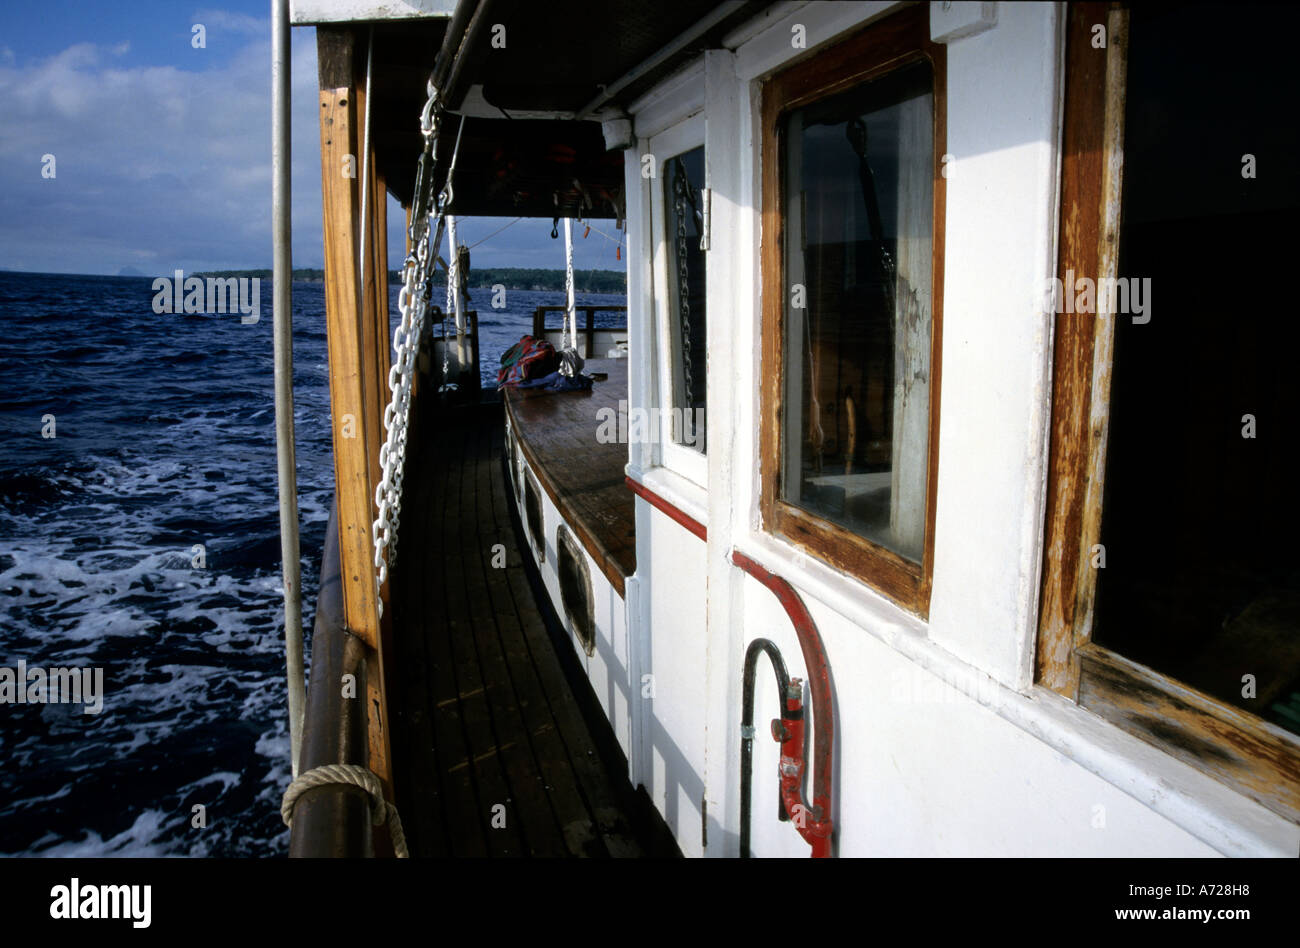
[[899, 40], [1245, 752]]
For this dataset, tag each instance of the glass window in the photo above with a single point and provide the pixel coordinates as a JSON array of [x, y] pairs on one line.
[[1171, 584], [1198, 496], [684, 219], [857, 186]]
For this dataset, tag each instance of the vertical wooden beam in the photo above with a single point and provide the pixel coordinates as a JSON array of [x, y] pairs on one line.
[[375, 341], [376, 350], [1066, 601], [353, 360]]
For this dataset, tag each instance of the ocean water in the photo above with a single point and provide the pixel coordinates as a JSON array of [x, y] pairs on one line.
[[163, 440]]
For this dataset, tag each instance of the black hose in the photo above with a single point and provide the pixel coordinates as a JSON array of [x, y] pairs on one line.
[[747, 729]]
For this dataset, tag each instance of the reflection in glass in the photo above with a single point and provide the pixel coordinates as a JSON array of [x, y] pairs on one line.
[[684, 220], [857, 175]]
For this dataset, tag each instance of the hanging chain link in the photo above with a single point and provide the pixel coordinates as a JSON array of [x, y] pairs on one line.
[[680, 186], [425, 238], [449, 308]]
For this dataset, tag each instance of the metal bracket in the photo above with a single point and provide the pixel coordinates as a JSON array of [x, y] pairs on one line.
[[706, 199]]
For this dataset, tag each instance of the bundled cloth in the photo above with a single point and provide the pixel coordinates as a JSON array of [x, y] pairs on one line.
[[570, 362], [558, 382], [529, 358]]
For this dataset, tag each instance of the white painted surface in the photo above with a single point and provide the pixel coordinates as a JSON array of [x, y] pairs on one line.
[[925, 771], [604, 342], [961, 18], [305, 12], [1003, 133], [674, 652], [727, 155], [1003, 129], [673, 100], [822, 22], [609, 667]]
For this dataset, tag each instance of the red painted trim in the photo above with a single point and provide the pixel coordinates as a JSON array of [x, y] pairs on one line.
[[818, 830], [675, 513]]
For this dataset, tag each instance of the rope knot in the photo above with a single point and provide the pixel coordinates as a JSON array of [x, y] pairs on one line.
[[348, 775]]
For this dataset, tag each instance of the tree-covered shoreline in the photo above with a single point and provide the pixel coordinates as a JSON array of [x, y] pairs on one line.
[[512, 278]]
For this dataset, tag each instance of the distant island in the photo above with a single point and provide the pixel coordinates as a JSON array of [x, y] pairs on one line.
[[483, 278]]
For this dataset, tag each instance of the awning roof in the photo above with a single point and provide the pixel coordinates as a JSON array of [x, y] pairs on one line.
[[557, 58]]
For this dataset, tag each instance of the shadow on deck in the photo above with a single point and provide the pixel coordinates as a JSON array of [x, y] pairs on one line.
[[498, 746]]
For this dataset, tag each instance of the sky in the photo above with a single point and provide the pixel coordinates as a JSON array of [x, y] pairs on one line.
[[161, 150]]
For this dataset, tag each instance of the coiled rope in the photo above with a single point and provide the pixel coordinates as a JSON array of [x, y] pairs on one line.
[[349, 775]]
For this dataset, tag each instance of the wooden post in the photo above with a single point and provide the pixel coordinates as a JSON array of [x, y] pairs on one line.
[[377, 356], [354, 359]]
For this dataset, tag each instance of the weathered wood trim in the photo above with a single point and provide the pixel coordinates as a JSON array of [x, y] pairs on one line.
[[1241, 750], [1065, 614], [882, 47], [1258, 758]]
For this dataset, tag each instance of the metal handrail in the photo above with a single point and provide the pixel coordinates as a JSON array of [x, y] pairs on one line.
[[282, 308]]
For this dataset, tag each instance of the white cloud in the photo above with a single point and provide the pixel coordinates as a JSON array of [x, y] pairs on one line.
[[156, 164], [161, 168], [224, 20]]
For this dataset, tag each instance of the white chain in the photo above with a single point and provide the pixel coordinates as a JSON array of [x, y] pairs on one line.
[[413, 301]]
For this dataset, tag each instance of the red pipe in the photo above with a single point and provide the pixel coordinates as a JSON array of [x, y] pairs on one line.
[[817, 825], [675, 513]]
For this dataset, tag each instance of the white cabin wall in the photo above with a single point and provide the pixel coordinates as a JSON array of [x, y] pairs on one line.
[[924, 770], [667, 612], [675, 655], [944, 746], [1003, 134], [641, 371], [727, 161]]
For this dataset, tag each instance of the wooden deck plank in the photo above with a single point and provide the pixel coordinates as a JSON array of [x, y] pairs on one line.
[[528, 804], [491, 787], [574, 819], [579, 746], [488, 715], [429, 735], [467, 834], [413, 736], [604, 804]]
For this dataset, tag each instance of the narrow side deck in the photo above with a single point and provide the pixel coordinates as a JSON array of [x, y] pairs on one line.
[[493, 755]]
